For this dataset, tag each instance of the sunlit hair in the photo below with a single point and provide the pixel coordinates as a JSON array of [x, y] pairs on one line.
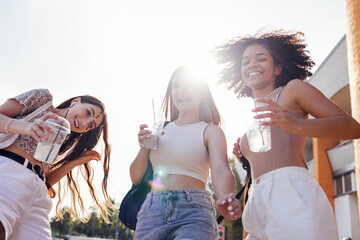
[[208, 111], [286, 48], [74, 145]]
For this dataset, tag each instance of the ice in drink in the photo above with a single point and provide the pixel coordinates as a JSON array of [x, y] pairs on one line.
[[47, 150], [153, 141], [259, 138]]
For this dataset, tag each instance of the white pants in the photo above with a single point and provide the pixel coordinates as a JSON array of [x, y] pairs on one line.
[[24, 202], [288, 204]]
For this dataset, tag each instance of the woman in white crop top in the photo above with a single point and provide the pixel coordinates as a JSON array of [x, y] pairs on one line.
[[26, 182], [285, 201], [179, 207]]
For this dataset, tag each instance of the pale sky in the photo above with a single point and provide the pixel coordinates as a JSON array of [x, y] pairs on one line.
[[123, 52]]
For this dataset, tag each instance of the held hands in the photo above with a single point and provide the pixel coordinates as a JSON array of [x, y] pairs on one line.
[[277, 115], [229, 207], [38, 128]]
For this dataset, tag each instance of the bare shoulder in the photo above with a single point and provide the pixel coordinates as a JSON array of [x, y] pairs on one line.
[[214, 137], [297, 89], [293, 93], [212, 131], [212, 128], [297, 85]]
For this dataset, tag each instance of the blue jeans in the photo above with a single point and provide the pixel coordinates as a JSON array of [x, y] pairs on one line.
[[177, 214]]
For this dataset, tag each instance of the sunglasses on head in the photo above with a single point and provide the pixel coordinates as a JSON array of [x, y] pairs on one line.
[[92, 122]]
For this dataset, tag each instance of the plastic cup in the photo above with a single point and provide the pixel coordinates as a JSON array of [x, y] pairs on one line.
[[47, 150], [156, 132], [259, 137]]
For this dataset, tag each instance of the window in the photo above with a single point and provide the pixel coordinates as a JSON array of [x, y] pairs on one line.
[[338, 186], [345, 183]]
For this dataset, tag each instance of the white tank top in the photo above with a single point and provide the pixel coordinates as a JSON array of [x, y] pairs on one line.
[[182, 151]]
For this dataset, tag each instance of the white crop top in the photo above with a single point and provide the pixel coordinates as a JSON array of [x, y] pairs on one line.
[[182, 151]]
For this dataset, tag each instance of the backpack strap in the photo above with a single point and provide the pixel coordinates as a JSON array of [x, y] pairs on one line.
[[246, 167]]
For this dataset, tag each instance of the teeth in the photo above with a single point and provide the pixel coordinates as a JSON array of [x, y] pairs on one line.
[[76, 123], [253, 74]]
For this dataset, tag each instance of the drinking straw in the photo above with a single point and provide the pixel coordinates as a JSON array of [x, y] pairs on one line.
[[261, 133], [57, 134], [153, 109]]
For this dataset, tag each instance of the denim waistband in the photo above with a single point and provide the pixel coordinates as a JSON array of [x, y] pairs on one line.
[[182, 193]]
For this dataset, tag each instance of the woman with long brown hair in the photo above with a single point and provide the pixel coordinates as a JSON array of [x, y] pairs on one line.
[[24, 200], [179, 206]]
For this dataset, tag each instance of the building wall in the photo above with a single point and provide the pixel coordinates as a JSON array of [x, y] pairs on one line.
[[353, 43], [332, 75], [347, 216], [332, 79]]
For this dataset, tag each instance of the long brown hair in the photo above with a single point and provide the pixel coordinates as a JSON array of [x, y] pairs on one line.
[[75, 145], [208, 110]]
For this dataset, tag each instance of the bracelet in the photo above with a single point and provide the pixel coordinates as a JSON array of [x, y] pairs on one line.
[[7, 126]]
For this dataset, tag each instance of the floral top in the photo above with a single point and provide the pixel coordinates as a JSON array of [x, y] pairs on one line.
[[31, 101]]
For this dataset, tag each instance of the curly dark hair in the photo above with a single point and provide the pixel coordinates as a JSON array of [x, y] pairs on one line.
[[286, 48]]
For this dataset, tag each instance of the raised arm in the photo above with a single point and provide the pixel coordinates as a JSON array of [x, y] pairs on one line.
[[330, 120], [55, 175], [221, 175], [9, 110], [8, 124]]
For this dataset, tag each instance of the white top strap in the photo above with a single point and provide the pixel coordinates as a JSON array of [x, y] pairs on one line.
[[37, 111], [278, 94]]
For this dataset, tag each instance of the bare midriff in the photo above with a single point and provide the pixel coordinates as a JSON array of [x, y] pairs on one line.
[[18, 151], [176, 182]]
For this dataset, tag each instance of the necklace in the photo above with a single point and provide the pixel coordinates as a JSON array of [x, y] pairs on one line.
[[184, 123], [269, 94]]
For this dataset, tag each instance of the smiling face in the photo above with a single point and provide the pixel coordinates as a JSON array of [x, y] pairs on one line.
[[81, 116], [185, 92], [258, 69]]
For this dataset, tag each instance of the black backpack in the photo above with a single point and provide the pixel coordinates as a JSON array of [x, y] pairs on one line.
[[134, 198]]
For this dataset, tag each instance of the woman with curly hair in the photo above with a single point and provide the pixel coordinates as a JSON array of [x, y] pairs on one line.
[[285, 202], [24, 200]]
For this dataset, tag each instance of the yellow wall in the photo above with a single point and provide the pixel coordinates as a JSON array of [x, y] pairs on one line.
[[353, 46], [322, 168]]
